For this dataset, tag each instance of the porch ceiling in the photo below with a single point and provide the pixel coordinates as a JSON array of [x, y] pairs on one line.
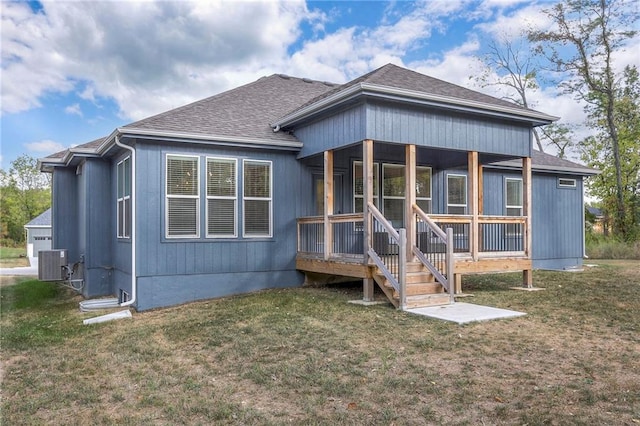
[[435, 157]]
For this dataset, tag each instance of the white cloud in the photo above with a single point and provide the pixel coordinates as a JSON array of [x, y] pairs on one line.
[[45, 146], [73, 109], [147, 56]]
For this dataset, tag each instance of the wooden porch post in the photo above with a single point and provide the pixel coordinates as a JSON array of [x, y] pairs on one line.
[[480, 190], [328, 203], [473, 200], [527, 274], [410, 194], [367, 187]]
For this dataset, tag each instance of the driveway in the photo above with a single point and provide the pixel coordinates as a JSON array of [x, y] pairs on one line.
[[28, 271]]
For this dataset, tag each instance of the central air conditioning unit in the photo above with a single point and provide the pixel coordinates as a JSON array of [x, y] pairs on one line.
[[52, 265]]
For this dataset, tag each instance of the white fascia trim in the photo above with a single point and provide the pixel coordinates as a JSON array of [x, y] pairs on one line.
[[436, 100], [209, 138]]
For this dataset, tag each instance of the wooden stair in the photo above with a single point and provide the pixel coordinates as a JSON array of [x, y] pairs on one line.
[[422, 288]]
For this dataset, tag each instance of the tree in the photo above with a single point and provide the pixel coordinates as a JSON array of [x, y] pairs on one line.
[[25, 193], [580, 48], [627, 122], [514, 71]]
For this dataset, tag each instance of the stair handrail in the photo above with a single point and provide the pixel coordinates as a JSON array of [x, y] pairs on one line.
[[400, 236], [444, 277]]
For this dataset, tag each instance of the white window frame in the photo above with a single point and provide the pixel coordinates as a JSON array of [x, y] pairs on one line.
[[122, 200], [394, 197], [245, 198], [568, 184], [466, 195], [376, 193], [511, 229], [221, 197], [171, 196], [430, 198]]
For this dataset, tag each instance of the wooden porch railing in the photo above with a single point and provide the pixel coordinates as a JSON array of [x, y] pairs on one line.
[[434, 248], [346, 236], [388, 252], [497, 235]]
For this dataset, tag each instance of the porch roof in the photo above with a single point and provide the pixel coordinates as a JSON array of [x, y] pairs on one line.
[[394, 82]]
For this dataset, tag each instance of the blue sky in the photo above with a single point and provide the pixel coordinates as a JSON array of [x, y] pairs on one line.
[[74, 71]]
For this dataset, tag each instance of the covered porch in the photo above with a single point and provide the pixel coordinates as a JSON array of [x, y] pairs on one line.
[[393, 237]]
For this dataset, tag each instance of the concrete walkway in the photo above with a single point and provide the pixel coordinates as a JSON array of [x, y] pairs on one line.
[[463, 313], [28, 271]]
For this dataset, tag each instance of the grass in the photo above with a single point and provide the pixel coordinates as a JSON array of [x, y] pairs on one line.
[[11, 257], [602, 248], [305, 356]]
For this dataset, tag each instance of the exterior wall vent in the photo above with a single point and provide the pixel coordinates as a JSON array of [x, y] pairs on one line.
[[52, 265]]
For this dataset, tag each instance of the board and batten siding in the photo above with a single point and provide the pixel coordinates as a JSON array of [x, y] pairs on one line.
[[96, 223], [82, 222], [557, 223], [64, 213], [338, 130], [171, 271], [394, 123], [428, 127]]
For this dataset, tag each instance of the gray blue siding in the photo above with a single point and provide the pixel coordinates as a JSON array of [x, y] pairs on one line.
[[557, 223], [339, 130], [81, 222], [389, 122], [173, 271], [64, 214]]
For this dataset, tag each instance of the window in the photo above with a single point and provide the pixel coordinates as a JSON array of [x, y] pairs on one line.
[[123, 170], [513, 204], [423, 188], [257, 198], [393, 190], [222, 197], [513, 191], [183, 196], [358, 186], [456, 194], [566, 183]]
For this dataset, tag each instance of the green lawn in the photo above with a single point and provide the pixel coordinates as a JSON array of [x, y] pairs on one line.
[[306, 356], [11, 257]]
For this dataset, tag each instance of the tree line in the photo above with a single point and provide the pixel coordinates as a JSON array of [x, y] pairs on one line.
[[25, 193]]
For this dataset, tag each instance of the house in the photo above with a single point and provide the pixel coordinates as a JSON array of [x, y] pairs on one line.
[[395, 178], [38, 235], [596, 220]]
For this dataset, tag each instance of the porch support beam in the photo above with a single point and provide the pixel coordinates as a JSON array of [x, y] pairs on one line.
[[473, 200], [410, 196], [367, 189], [527, 274], [328, 203], [480, 190]]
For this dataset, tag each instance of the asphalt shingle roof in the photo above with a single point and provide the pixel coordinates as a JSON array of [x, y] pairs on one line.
[[543, 159], [246, 111], [401, 78], [249, 110], [43, 219]]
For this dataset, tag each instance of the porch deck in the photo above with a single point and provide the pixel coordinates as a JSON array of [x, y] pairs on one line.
[[477, 245]]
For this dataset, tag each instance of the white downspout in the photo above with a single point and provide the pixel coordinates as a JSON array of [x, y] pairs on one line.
[[133, 222], [584, 225]]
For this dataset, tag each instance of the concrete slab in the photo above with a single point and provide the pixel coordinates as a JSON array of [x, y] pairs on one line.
[[368, 302], [21, 271], [463, 313]]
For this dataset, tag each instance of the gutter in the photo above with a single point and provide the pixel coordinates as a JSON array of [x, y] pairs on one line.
[[134, 281], [538, 118]]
